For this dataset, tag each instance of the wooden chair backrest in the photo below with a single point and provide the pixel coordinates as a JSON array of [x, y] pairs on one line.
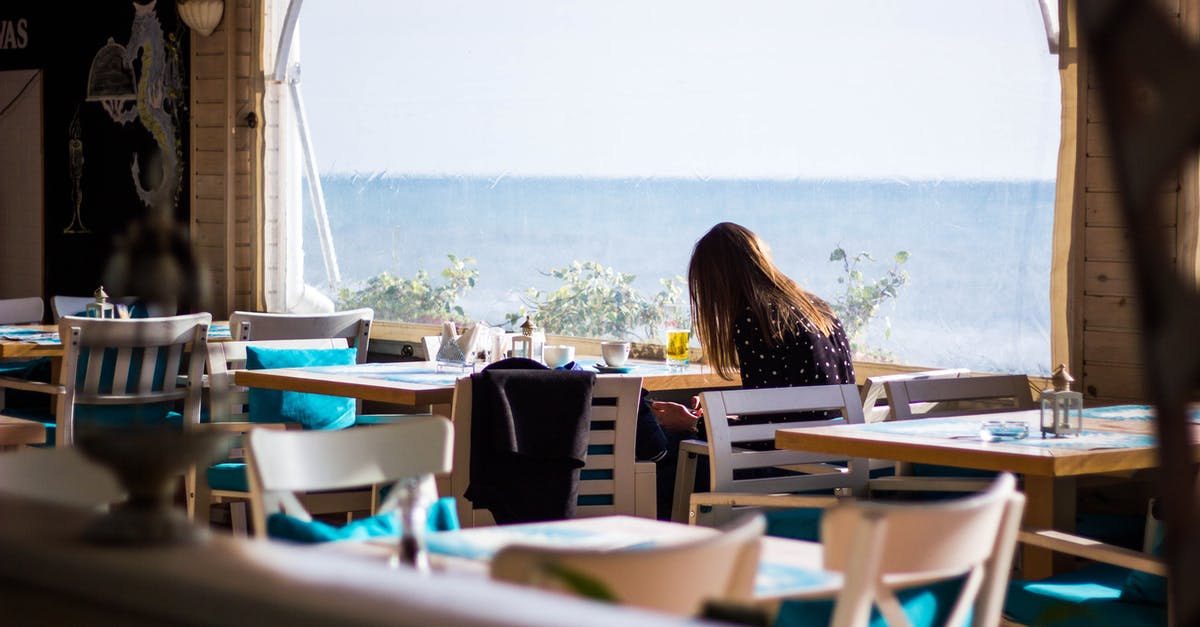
[[874, 390], [993, 393], [68, 305], [675, 578], [282, 463], [871, 542], [145, 358], [606, 481], [354, 325], [22, 310], [724, 436]]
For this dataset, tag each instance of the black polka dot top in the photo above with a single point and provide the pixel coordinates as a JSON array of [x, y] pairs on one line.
[[803, 357]]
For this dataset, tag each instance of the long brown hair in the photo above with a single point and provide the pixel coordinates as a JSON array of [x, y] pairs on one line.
[[730, 270]]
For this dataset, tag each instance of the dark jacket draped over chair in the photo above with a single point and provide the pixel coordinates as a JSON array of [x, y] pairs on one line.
[[529, 438]]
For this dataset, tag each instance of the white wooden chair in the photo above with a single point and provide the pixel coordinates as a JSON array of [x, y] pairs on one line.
[[675, 578], [873, 391], [354, 325], [22, 310], [59, 475], [612, 482], [68, 305], [145, 359], [811, 471], [285, 463], [229, 412], [992, 393], [942, 397], [881, 547]]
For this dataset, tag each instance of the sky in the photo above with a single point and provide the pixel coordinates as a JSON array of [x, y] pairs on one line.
[[777, 89]]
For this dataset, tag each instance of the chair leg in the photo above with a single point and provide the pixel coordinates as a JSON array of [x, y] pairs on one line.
[[237, 518], [685, 480]]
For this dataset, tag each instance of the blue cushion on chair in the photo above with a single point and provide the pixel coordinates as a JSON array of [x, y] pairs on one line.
[[1140, 587], [1086, 597], [443, 516], [925, 606], [802, 523], [229, 476], [314, 411]]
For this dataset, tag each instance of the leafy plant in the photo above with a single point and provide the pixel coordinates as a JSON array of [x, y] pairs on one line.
[[595, 301], [415, 299], [858, 304]]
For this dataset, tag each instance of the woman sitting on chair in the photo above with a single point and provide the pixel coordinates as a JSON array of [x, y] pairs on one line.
[[750, 317]]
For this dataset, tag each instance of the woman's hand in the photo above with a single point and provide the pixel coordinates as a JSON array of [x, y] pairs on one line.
[[674, 417]]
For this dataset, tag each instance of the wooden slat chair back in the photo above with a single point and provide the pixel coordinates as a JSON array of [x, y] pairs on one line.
[[673, 578], [146, 357], [817, 472], [353, 325], [612, 481], [22, 310], [993, 393], [874, 391], [283, 464], [875, 544]]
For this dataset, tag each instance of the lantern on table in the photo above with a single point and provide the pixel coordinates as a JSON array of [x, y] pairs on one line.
[[529, 344], [1062, 409], [100, 308]]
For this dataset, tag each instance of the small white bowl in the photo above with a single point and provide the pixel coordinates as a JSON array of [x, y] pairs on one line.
[[557, 356]]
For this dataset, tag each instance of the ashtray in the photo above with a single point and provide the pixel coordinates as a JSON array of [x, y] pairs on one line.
[[993, 430]]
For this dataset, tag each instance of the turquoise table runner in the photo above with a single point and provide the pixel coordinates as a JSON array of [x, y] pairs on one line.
[[968, 430], [26, 334], [1130, 412], [482, 543], [401, 372]]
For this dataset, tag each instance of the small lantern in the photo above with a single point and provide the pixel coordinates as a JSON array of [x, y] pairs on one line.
[[100, 308], [529, 344], [1062, 409]]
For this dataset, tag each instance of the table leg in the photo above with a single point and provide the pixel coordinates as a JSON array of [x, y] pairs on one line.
[[1049, 504], [685, 480]]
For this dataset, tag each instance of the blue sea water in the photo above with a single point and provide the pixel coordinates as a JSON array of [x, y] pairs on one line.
[[979, 250]]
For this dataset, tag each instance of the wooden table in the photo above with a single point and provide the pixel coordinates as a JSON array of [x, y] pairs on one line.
[[787, 568], [1116, 439], [417, 383], [15, 432], [13, 348]]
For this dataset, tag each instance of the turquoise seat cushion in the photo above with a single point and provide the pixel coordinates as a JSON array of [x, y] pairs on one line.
[[802, 523], [1140, 587], [926, 606], [1086, 597], [443, 516], [934, 470], [229, 476], [313, 411]]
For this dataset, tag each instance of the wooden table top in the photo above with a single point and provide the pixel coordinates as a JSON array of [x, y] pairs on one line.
[[16, 432], [1115, 439], [418, 383]]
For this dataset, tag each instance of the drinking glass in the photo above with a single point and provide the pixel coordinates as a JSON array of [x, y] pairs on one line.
[[678, 333]]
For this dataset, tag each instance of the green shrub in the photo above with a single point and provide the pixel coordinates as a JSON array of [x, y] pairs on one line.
[[858, 304], [415, 299], [599, 302]]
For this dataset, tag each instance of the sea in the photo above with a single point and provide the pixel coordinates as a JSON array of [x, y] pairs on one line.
[[978, 250]]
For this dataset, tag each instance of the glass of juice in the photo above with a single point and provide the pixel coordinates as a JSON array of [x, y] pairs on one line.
[[678, 333]]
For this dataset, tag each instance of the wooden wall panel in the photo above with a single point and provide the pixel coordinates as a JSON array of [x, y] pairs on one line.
[[1110, 349], [223, 162]]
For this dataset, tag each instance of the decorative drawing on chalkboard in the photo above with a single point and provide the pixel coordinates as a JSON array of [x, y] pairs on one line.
[[151, 99], [75, 147]]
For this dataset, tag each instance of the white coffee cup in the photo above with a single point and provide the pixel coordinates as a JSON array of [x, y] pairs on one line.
[[557, 356], [614, 353]]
